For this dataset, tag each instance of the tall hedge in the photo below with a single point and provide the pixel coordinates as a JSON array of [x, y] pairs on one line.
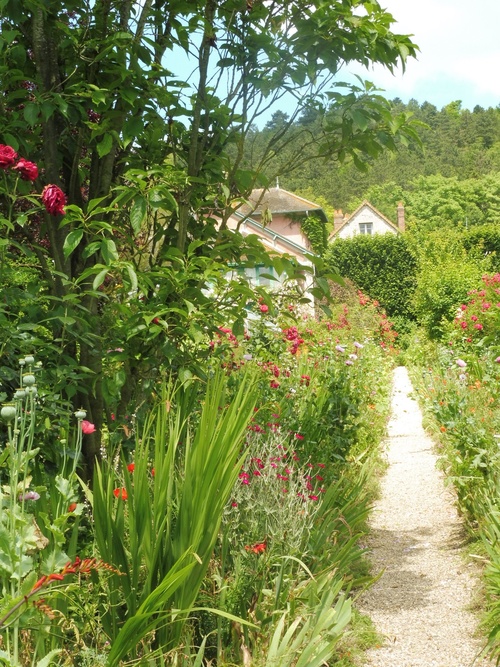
[[484, 241], [382, 266]]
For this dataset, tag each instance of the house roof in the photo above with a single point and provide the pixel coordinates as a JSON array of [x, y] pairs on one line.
[[269, 237], [276, 200], [349, 218]]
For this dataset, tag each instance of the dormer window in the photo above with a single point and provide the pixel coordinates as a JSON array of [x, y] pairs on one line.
[[366, 227]]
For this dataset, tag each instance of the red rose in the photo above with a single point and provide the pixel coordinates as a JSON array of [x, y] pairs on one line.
[[53, 199], [7, 156], [28, 171]]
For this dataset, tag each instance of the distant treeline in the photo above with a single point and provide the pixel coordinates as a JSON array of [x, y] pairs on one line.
[[457, 144]]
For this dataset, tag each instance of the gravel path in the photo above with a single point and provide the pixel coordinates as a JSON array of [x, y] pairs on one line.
[[421, 602]]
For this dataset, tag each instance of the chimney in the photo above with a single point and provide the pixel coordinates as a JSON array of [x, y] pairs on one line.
[[401, 217], [338, 220]]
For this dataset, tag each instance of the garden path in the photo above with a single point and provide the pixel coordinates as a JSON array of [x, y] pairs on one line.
[[422, 602]]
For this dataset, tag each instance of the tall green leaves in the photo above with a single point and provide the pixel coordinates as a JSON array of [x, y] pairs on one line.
[[159, 521]]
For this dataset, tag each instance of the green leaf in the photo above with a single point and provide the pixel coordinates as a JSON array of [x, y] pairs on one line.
[[133, 277], [105, 145], [138, 214], [99, 279], [109, 251], [30, 113], [45, 662], [72, 241]]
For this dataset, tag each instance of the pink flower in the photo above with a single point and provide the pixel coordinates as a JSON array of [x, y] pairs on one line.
[[28, 171], [461, 363], [263, 308], [497, 360], [478, 326], [7, 156], [53, 199], [87, 427], [298, 436]]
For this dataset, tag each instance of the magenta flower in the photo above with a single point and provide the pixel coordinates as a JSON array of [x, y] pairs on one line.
[[7, 156], [87, 427], [54, 199], [28, 171]]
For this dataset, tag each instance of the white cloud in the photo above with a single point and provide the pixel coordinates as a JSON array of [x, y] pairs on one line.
[[459, 54]]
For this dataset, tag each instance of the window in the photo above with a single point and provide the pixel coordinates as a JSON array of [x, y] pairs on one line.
[[366, 227]]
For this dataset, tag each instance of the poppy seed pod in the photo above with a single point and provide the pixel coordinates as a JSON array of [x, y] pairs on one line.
[[8, 412]]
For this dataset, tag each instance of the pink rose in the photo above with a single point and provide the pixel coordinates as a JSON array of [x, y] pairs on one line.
[[53, 199], [7, 156]]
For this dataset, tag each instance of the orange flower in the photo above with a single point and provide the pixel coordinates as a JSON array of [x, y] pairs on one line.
[[121, 493], [257, 548]]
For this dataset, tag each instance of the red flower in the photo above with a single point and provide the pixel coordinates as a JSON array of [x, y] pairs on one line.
[[263, 308], [87, 427], [72, 507], [298, 436], [28, 171], [7, 156], [121, 493], [257, 548], [131, 467], [54, 199]]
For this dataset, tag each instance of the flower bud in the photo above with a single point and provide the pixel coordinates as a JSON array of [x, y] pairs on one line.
[[80, 414]]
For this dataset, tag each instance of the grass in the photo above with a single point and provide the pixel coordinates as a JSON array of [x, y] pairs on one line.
[[360, 636]]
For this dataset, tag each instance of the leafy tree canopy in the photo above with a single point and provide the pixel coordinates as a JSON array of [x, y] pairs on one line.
[[150, 159]]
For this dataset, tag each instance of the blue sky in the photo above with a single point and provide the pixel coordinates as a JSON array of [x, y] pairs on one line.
[[459, 55]]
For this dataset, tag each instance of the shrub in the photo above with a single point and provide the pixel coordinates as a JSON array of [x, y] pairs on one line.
[[383, 266]]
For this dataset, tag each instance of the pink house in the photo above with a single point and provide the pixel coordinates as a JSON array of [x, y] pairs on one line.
[[275, 216]]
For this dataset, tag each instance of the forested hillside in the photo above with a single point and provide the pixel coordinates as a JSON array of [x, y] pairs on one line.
[[453, 175]]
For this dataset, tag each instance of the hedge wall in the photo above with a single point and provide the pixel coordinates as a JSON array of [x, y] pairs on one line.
[[382, 266]]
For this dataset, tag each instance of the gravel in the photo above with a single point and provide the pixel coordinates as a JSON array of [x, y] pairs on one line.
[[422, 602]]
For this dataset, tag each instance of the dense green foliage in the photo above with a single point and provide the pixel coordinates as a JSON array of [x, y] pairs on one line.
[[383, 266], [457, 144], [151, 164]]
